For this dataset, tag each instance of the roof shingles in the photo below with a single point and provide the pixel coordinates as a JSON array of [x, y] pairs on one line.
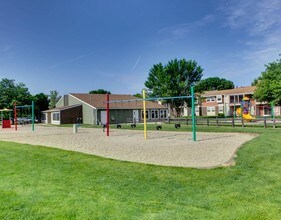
[[99, 101], [236, 91]]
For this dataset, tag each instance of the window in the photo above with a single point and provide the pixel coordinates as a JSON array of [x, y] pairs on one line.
[[267, 110], [211, 109], [43, 117], [146, 114], [240, 97], [56, 116], [163, 113], [219, 98], [236, 98], [211, 99], [154, 113], [220, 109]]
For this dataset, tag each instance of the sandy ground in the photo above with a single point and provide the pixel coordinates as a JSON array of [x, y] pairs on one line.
[[161, 148]]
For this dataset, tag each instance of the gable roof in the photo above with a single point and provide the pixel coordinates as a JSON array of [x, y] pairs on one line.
[[99, 101], [235, 91], [58, 109]]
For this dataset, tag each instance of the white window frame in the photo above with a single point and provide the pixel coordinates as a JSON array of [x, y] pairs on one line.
[[163, 113], [219, 98], [211, 109], [147, 114], [211, 99], [55, 118], [154, 113]]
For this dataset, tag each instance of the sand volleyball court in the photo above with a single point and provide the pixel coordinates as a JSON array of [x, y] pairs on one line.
[[161, 148]]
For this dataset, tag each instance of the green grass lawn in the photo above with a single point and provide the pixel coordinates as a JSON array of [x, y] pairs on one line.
[[44, 183]]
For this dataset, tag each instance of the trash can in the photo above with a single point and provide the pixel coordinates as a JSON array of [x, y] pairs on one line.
[[6, 123], [75, 128]]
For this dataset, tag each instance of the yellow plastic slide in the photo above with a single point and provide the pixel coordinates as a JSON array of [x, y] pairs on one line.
[[248, 117]]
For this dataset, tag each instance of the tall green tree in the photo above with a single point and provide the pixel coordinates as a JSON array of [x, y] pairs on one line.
[[41, 103], [138, 95], [100, 91], [213, 83], [11, 92], [269, 84], [54, 97], [173, 79]]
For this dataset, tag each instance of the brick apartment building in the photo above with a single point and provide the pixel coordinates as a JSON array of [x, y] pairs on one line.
[[213, 103]]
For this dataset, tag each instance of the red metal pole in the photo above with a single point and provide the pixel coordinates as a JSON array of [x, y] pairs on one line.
[[15, 116], [107, 115]]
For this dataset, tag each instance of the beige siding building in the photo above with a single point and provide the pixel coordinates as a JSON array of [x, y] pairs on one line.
[[93, 109]]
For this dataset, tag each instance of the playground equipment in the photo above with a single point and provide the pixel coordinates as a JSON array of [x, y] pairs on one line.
[[244, 110], [144, 99], [23, 107], [6, 123]]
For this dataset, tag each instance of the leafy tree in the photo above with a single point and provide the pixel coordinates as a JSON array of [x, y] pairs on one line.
[[213, 83], [54, 98], [255, 82], [41, 103], [139, 95], [173, 79], [269, 84], [11, 92], [99, 91]]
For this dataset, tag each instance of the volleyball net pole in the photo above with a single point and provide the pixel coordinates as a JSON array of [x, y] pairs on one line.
[[193, 114], [144, 99], [107, 114], [32, 113], [144, 114]]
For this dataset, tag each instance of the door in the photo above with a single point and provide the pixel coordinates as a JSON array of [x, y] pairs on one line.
[[103, 117], [136, 116]]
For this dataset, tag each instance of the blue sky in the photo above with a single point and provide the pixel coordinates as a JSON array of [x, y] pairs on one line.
[[78, 46]]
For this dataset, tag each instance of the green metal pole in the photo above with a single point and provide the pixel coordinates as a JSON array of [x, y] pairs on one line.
[[272, 110], [193, 114], [32, 107]]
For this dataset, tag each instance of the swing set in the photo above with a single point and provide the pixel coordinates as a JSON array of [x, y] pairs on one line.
[[23, 120], [144, 99]]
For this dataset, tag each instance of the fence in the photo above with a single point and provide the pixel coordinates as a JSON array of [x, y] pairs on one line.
[[205, 121], [259, 122]]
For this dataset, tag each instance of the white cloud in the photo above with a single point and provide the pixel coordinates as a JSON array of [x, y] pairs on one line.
[[179, 30], [257, 17], [259, 23]]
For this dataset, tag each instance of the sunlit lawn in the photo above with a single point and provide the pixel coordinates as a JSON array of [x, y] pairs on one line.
[[44, 183]]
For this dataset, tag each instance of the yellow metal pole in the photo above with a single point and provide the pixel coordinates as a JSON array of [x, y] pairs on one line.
[[144, 114]]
